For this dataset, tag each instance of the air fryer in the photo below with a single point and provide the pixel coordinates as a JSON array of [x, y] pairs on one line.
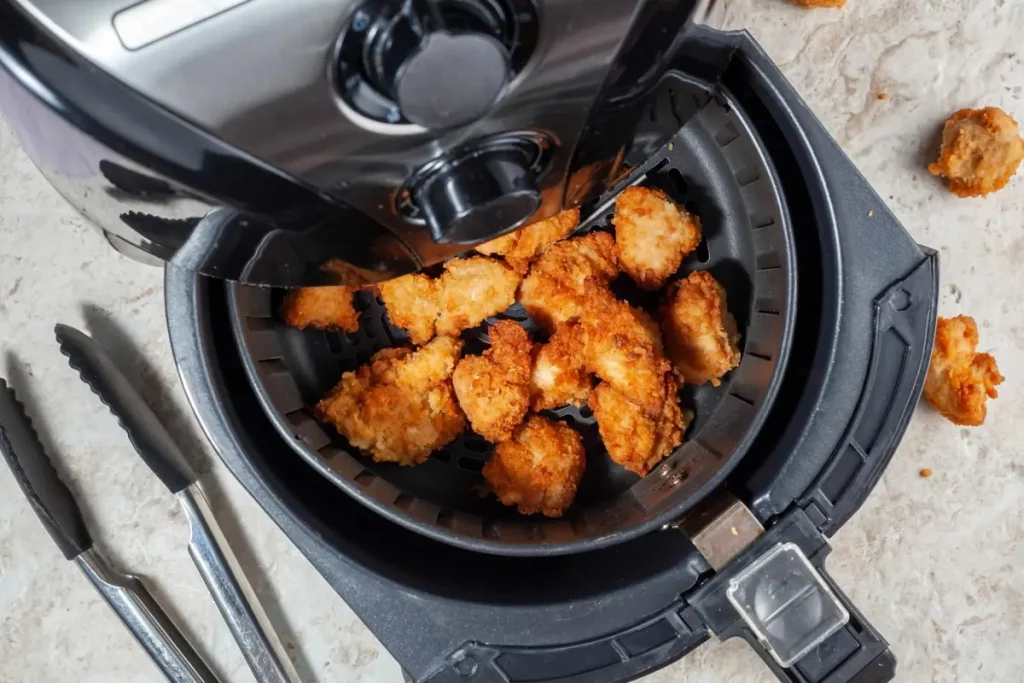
[[335, 136]]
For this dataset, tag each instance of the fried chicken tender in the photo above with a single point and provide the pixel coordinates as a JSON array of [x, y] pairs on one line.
[[399, 407], [653, 235], [700, 333], [960, 381], [494, 389], [622, 349], [820, 3], [411, 302], [559, 375], [468, 292], [554, 291], [634, 439], [539, 468], [981, 150], [322, 308], [473, 289], [522, 246]]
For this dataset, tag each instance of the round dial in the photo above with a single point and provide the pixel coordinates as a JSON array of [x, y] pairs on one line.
[[437, 63], [466, 200]]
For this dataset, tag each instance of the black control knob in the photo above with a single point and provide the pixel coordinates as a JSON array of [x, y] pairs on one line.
[[477, 196], [440, 78]]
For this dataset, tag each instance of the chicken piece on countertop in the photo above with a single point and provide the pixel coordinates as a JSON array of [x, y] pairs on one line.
[[494, 389], [322, 308], [539, 468], [399, 407], [653, 235], [621, 349], [960, 381], [412, 304], [559, 375], [700, 334], [473, 289], [634, 439], [522, 246], [981, 150], [553, 292]]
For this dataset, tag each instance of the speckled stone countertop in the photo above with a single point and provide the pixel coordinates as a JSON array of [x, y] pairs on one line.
[[936, 564]]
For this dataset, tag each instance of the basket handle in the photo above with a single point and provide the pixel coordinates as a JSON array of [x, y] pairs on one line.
[[856, 653]]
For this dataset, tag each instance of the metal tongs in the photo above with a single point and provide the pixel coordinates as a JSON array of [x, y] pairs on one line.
[[126, 594]]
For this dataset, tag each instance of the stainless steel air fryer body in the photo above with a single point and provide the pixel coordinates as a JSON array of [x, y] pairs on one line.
[[373, 136]]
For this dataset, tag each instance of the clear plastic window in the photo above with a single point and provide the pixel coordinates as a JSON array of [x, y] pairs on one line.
[[786, 603]]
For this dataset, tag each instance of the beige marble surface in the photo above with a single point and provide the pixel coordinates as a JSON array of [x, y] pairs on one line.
[[936, 564]]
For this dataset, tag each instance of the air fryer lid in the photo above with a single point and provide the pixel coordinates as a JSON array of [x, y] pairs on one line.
[[716, 166], [146, 119]]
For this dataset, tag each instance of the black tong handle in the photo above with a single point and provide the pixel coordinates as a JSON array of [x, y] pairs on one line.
[[145, 430], [34, 472]]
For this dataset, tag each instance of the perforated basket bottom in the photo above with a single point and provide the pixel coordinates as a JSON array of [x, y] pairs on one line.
[[713, 167]]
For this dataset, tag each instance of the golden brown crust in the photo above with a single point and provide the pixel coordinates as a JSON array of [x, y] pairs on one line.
[[653, 235], [521, 247], [554, 291], [499, 245], [473, 289], [700, 333], [981, 151], [960, 381], [494, 389], [411, 302], [621, 350], [559, 375], [539, 468], [322, 308], [634, 439], [400, 406]]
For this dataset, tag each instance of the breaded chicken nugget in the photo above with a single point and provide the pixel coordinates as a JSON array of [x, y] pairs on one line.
[[499, 246], [653, 235], [321, 308], [522, 246], [430, 365], [960, 381], [400, 406], [559, 375], [621, 350], [634, 439], [473, 289], [553, 292], [412, 304], [981, 150], [539, 468], [494, 389], [820, 3], [700, 334]]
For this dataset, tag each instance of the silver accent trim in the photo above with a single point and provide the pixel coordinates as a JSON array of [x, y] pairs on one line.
[[146, 620], [720, 528], [232, 592], [151, 20]]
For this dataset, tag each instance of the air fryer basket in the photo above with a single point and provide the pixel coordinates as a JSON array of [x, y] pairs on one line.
[[716, 166]]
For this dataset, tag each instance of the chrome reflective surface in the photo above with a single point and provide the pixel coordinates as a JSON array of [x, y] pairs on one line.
[[236, 105], [233, 593], [260, 75], [146, 620]]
